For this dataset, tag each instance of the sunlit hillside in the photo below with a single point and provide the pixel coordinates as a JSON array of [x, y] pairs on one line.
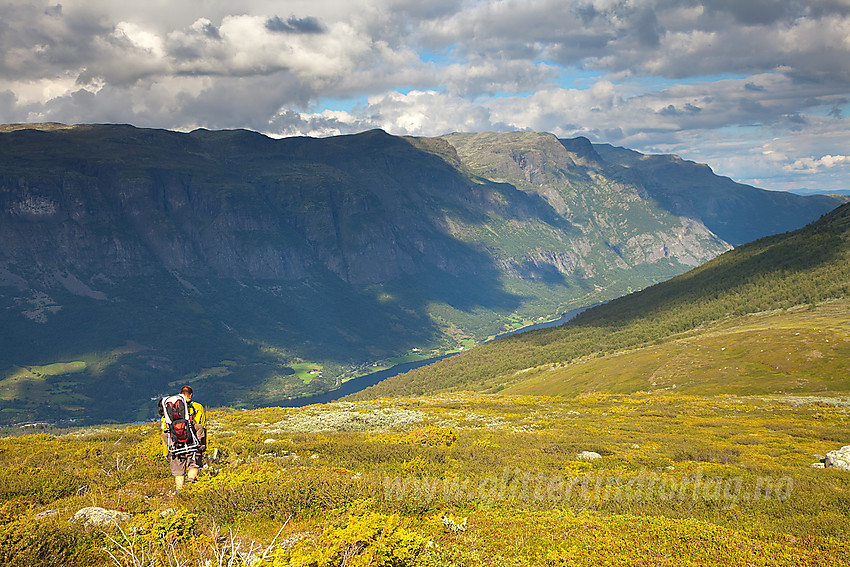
[[803, 349], [770, 316]]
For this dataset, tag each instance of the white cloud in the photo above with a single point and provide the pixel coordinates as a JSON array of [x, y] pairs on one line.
[[810, 164], [758, 88], [138, 38]]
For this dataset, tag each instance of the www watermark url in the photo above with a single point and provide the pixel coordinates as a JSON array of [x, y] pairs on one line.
[[517, 485]]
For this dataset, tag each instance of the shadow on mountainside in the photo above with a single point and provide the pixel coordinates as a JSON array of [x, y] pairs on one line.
[[808, 266], [226, 255]]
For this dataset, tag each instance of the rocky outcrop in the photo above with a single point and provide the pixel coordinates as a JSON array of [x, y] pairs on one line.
[[45, 514], [588, 456]]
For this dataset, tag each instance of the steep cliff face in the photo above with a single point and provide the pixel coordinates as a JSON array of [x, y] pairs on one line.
[[228, 258], [615, 224], [735, 212], [248, 209]]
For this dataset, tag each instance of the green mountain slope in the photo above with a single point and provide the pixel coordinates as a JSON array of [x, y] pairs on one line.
[[575, 183], [804, 350], [135, 260], [686, 330]]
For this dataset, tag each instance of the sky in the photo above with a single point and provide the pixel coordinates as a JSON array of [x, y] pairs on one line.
[[757, 89]]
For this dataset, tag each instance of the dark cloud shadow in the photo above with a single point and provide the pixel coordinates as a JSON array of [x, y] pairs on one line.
[[308, 25]]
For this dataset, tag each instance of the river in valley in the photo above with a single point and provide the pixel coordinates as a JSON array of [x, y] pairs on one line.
[[358, 383], [366, 380]]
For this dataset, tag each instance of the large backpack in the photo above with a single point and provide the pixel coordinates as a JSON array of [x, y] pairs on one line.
[[181, 433]]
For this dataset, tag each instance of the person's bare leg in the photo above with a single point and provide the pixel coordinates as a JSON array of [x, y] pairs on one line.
[[178, 482]]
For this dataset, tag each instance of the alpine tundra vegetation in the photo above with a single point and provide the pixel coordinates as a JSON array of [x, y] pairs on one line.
[[457, 479]]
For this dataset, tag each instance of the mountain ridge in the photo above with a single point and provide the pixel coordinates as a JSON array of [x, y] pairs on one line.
[[728, 209], [238, 262]]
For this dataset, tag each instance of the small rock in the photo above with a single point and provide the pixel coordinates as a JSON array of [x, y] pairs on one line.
[[671, 468], [838, 459], [288, 542], [635, 446], [269, 441], [95, 516], [314, 456], [588, 456], [818, 465], [45, 514]]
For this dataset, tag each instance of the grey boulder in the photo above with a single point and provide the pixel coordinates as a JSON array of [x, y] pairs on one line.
[[96, 516]]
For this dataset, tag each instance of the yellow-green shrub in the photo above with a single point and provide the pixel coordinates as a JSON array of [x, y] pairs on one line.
[[151, 450], [431, 436], [42, 486], [47, 542], [157, 539], [265, 491], [562, 538], [175, 526], [361, 538]]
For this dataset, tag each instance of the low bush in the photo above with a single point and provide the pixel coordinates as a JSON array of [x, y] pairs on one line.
[[39, 485], [45, 542], [360, 538], [431, 436], [726, 456], [261, 491], [178, 525]]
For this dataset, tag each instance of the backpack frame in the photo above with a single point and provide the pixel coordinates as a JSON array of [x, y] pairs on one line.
[[182, 439]]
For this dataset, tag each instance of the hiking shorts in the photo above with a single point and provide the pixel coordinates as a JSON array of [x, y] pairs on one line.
[[181, 464]]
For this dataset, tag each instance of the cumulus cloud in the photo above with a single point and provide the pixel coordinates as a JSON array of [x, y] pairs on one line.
[[738, 84], [808, 163]]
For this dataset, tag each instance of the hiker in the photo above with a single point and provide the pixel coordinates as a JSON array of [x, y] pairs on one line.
[[184, 465]]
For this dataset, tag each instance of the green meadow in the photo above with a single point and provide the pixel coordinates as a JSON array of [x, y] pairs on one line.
[[803, 349]]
